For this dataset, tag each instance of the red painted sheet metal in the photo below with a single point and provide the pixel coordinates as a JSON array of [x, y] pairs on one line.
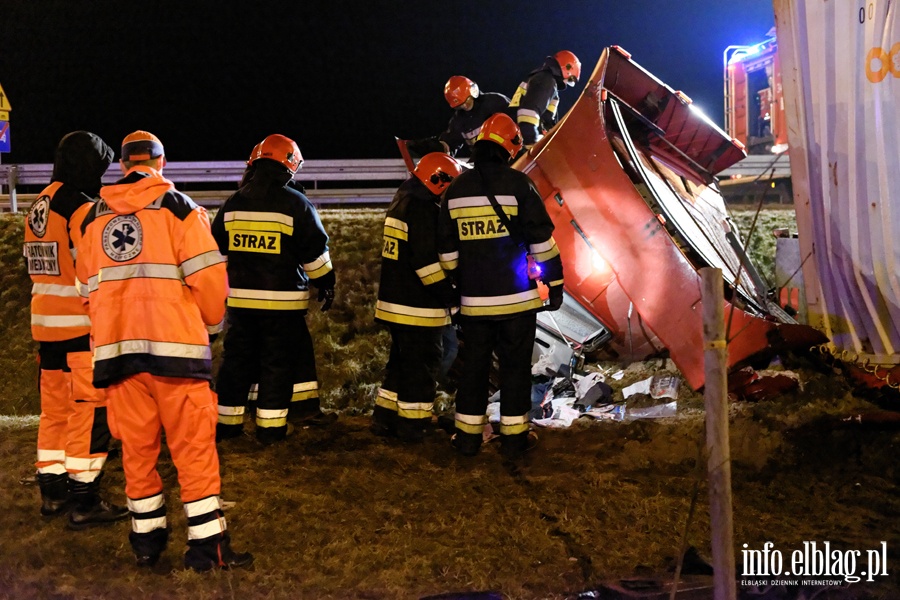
[[621, 263], [687, 129]]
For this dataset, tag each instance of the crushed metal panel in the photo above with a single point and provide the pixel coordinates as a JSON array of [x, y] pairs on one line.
[[622, 263]]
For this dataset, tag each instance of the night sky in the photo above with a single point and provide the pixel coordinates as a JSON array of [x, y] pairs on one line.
[[211, 79]]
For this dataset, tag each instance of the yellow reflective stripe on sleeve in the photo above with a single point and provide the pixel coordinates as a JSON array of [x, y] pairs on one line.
[[525, 115], [551, 106], [546, 255], [431, 273], [555, 283], [396, 228], [449, 260], [318, 267]]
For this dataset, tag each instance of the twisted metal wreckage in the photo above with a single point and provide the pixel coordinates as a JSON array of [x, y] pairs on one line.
[[629, 178]]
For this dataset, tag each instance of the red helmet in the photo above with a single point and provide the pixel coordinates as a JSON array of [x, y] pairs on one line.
[[436, 170], [253, 154], [279, 148], [458, 89], [570, 65], [501, 129]]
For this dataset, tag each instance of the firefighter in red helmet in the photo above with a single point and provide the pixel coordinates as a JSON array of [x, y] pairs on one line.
[[415, 299], [470, 107], [492, 218], [536, 100], [276, 247]]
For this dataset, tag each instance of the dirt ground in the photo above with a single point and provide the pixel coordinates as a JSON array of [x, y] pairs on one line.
[[340, 513]]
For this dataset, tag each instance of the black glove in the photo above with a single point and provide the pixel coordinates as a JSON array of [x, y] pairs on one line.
[[325, 285], [556, 298], [326, 297]]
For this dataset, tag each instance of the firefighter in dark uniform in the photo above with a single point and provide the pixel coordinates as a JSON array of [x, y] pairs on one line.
[[414, 300], [471, 108], [487, 256], [276, 246], [537, 97]]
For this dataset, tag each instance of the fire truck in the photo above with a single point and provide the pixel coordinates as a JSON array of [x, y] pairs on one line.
[[754, 115], [754, 102]]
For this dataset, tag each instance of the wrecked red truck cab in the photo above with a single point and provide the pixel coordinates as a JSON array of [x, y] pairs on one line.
[[629, 178]]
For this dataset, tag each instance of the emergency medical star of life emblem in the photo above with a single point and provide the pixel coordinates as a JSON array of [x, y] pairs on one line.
[[123, 238], [39, 215]]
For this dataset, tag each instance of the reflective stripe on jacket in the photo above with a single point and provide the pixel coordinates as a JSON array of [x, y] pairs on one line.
[[413, 289], [153, 279], [274, 241], [52, 231], [490, 266]]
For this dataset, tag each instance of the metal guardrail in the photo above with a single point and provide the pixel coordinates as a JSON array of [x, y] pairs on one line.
[[364, 172]]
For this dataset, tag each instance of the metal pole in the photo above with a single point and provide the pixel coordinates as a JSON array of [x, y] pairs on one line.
[[715, 395], [13, 180]]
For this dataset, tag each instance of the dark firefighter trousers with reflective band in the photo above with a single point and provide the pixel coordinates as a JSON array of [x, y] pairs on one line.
[[274, 349], [73, 434], [513, 341], [407, 393]]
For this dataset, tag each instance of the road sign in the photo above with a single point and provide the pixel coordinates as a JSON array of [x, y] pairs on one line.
[[4, 101], [4, 136], [4, 115]]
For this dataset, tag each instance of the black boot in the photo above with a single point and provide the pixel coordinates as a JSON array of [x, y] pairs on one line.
[[210, 553], [54, 493], [90, 510]]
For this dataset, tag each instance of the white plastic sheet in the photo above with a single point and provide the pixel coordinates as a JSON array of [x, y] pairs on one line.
[[841, 77]]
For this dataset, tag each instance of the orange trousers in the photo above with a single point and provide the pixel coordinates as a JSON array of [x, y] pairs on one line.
[[141, 406], [72, 433]]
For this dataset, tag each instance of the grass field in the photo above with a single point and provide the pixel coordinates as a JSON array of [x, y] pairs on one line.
[[341, 514]]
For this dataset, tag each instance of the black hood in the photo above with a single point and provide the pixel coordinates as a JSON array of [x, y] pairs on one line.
[[81, 160], [551, 65], [263, 175]]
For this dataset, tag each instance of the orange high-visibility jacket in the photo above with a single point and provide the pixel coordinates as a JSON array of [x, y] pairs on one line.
[[52, 232], [152, 276]]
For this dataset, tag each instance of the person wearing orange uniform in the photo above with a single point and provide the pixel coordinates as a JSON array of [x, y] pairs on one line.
[[73, 436], [153, 280]]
